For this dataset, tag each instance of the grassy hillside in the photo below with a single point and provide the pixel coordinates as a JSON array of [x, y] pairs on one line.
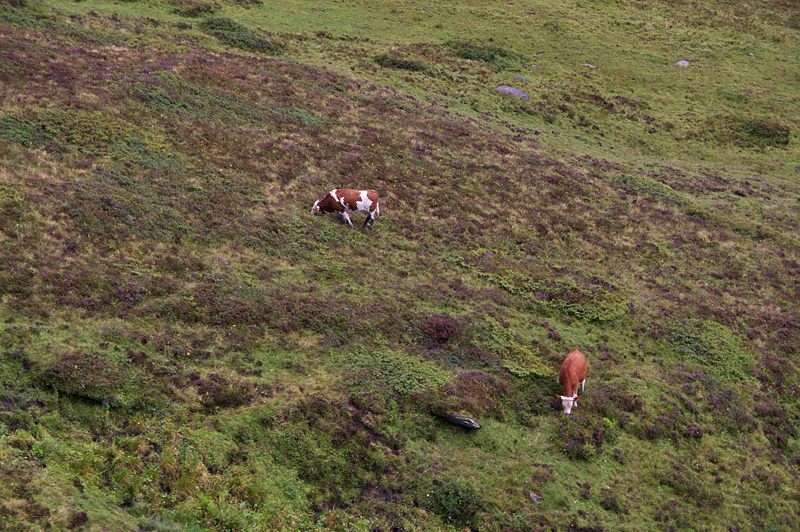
[[184, 347]]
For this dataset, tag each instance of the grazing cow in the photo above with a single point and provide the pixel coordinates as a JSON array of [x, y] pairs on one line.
[[347, 202], [573, 373]]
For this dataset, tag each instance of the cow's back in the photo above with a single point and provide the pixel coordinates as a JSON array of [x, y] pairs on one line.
[[573, 370]]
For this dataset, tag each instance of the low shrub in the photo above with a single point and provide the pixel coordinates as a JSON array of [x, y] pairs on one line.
[[774, 372], [19, 130], [579, 298], [652, 432], [491, 54], [239, 36], [766, 133], [472, 394], [402, 372], [609, 502], [93, 376], [713, 346], [440, 329], [686, 483], [673, 516], [15, 277], [747, 133], [581, 438], [455, 502], [389, 61], [693, 431], [15, 3], [612, 401], [194, 8], [340, 449], [92, 133], [519, 359], [220, 392], [776, 423]]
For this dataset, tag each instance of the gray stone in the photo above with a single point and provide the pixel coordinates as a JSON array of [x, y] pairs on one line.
[[511, 90], [465, 422]]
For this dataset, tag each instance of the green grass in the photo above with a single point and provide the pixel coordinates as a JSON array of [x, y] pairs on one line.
[[183, 346]]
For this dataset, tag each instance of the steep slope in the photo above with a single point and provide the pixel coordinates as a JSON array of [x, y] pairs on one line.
[[185, 347]]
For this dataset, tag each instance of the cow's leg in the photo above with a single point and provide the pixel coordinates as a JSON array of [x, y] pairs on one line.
[[346, 218], [583, 385], [369, 220]]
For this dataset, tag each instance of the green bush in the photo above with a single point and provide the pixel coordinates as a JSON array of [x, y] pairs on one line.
[[578, 298], [713, 346], [749, 133], [766, 133], [102, 377], [582, 438], [192, 8], [404, 373], [297, 115], [92, 133], [518, 359], [494, 55], [174, 94], [239, 36], [455, 502], [19, 130], [389, 61], [650, 187]]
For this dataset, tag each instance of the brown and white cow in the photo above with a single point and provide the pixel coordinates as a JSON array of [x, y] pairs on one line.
[[346, 202], [572, 373]]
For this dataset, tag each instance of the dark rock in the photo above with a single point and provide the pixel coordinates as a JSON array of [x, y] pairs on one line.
[[455, 420]]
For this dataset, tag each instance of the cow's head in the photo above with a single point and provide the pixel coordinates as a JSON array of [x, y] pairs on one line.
[[315, 209], [568, 403]]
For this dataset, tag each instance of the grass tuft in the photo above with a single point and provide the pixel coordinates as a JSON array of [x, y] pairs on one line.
[[389, 61], [492, 54], [239, 36]]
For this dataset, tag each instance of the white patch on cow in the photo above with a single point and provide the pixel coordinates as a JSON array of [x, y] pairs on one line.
[[340, 199], [365, 203], [568, 403]]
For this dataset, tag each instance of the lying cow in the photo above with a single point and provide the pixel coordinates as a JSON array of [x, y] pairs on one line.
[[347, 202], [572, 373]]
